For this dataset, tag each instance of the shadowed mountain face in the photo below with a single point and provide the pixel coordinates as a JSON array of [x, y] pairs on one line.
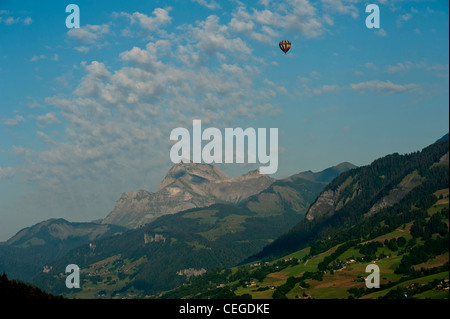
[[58, 230], [327, 175], [25, 254], [186, 186], [173, 247], [362, 193], [296, 192]]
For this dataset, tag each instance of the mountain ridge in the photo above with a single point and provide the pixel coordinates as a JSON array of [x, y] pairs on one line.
[[185, 186], [351, 196], [327, 174], [406, 236], [26, 253], [174, 247]]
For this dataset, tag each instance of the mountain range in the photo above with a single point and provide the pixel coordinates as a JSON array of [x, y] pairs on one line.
[[392, 214], [200, 221], [186, 185], [358, 194], [24, 255]]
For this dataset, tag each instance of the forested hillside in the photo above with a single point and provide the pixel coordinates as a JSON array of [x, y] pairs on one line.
[[361, 189], [326, 256]]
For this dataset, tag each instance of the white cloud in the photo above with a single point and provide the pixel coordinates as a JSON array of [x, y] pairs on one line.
[[341, 7], [49, 118], [211, 38], [14, 121], [33, 104], [264, 25], [328, 20], [384, 87], [8, 19], [27, 21], [64, 105], [125, 115], [400, 67], [381, 32], [408, 65], [92, 82], [279, 88], [82, 49], [301, 16], [38, 57], [160, 17], [212, 4], [118, 118], [438, 67], [405, 17], [241, 23], [22, 151], [371, 66], [213, 43], [6, 172], [145, 59], [88, 33], [89, 36], [327, 88]]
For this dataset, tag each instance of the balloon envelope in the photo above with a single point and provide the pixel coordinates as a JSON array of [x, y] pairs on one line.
[[285, 45]]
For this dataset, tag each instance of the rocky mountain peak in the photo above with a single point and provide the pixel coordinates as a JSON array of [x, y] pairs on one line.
[[192, 173], [185, 186]]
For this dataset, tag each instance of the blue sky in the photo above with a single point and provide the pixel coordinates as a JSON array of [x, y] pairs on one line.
[[86, 114]]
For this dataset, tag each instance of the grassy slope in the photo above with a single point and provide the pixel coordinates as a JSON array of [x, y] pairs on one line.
[[336, 285], [333, 286]]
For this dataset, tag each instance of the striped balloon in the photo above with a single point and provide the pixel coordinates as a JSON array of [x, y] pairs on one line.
[[285, 45]]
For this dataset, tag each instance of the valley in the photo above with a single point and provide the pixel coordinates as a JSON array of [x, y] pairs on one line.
[[301, 275], [308, 236]]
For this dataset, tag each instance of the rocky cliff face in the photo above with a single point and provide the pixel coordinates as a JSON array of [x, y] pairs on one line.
[[186, 185], [331, 200]]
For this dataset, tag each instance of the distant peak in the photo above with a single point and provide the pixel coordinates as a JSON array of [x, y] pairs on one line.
[[347, 165], [443, 138], [188, 170], [252, 173]]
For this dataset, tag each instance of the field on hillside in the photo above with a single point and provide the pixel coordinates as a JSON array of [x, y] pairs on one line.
[[297, 274], [346, 273]]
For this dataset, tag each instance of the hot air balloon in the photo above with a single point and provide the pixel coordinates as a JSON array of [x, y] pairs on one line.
[[285, 45]]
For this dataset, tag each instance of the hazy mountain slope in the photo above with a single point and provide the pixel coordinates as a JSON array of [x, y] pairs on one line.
[[362, 192], [185, 186], [14, 290], [443, 138], [411, 253], [25, 254], [174, 247], [326, 256], [327, 175], [295, 193]]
